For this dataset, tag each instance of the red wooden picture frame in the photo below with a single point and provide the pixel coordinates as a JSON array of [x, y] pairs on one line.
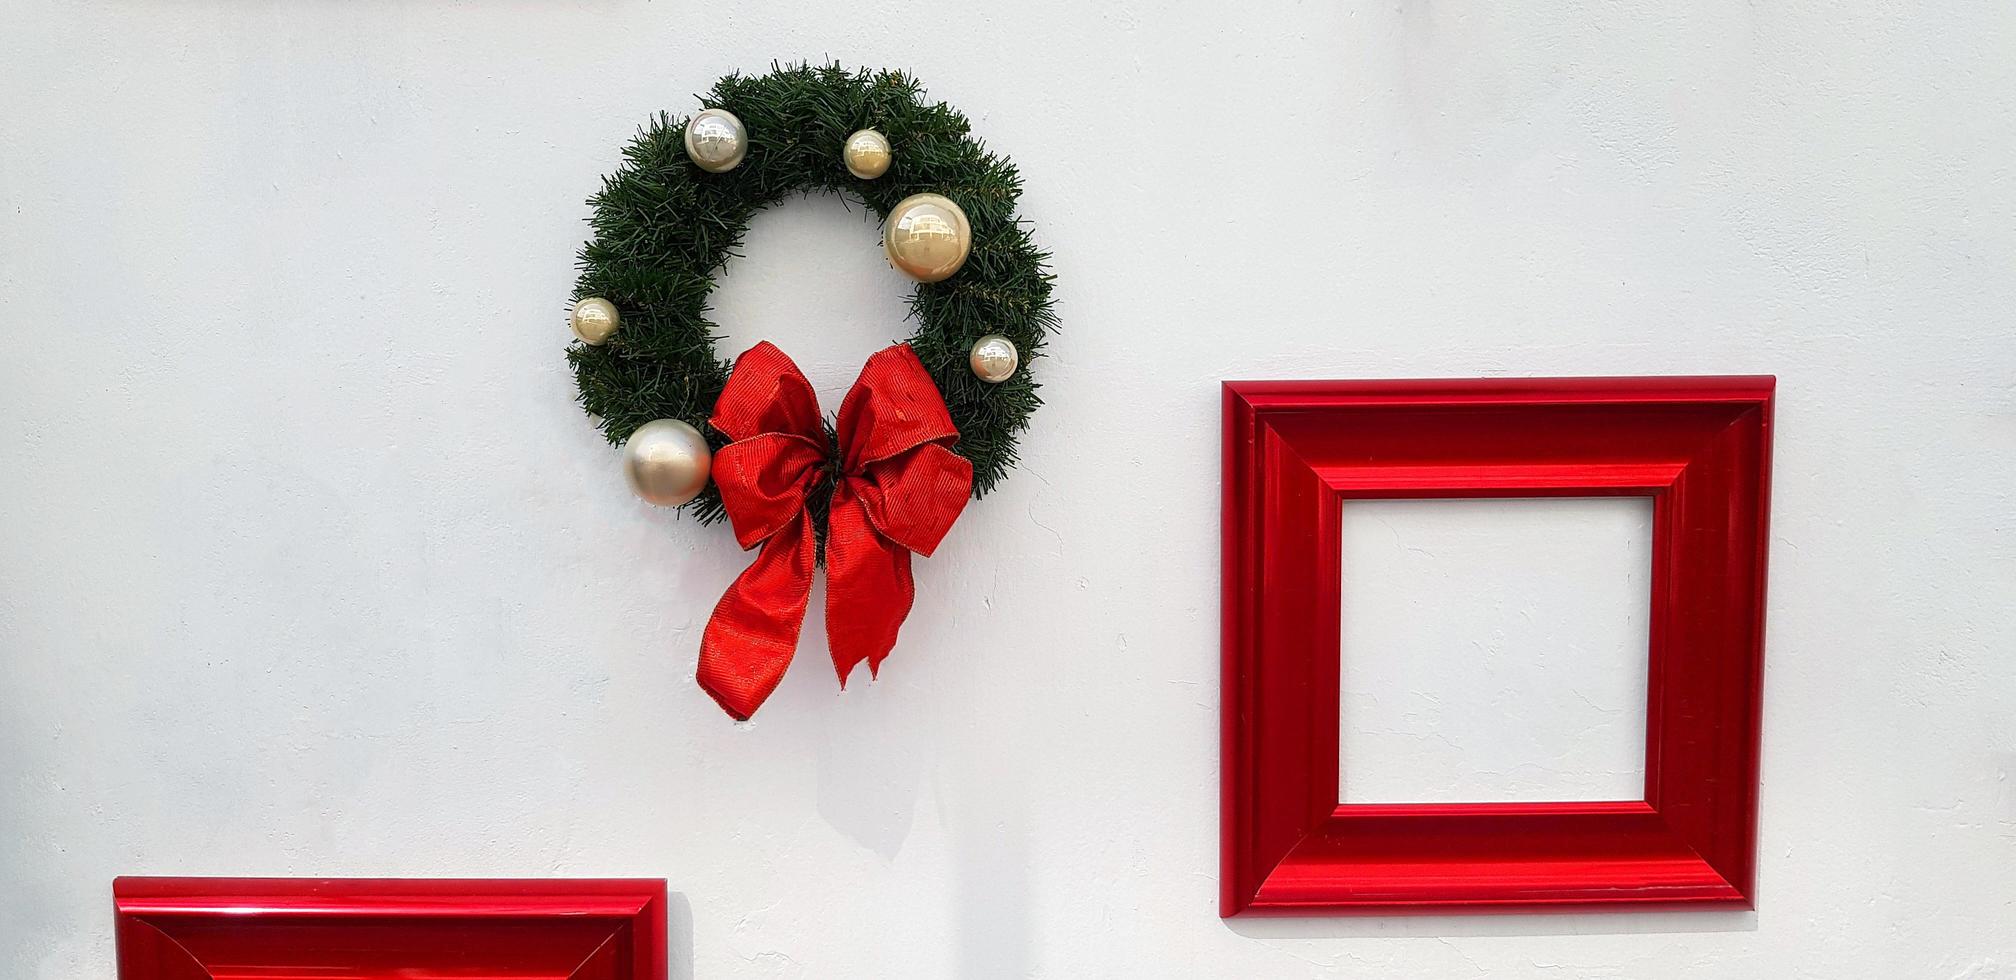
[[364, 929], [1296, 451]]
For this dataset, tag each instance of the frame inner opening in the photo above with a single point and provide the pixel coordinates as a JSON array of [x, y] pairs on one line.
[[1494, 650]]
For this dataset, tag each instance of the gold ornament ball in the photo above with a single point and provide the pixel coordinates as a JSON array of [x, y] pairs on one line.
[[594, 320], [867, 154], [716, 141], [667, 462], [994, 359], [927, 237]]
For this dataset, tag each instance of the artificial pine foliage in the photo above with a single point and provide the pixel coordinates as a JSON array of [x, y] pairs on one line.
[[664, 227]]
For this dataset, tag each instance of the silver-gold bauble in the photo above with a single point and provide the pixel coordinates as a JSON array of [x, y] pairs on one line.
[[667, 462], [927, 237], [716, 141], [594, 320], [867, 154], [994, 358]]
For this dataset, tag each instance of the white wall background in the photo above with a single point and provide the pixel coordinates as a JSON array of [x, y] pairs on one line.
[[1494, 650], [310, 565]]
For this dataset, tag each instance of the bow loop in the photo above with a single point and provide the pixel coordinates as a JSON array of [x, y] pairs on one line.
[[767, 393], [895, 435], [894, 408], [887, 490], [899, 489], [765, 481]]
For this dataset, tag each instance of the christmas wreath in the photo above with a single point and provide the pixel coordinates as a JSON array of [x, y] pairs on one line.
[[932, 421]]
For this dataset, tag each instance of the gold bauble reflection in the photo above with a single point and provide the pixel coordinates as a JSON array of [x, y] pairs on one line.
[[716, 141], [867, 154], [594, 320], [667, 462], [994, 358], [927, 237]]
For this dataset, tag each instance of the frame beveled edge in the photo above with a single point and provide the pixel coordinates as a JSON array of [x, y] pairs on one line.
[[1281, 395], [640, 904], [1245, 404]]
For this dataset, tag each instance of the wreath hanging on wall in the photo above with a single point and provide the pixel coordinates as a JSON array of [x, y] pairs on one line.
[[931, 422]]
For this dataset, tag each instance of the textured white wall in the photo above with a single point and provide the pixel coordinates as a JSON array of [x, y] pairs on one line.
[[309, 565], [1494, 649]]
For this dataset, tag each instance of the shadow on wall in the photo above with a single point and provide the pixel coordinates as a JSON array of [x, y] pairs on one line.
[[679, 936], [869, 769], [1509, 924], [871, 765], [982, 797]]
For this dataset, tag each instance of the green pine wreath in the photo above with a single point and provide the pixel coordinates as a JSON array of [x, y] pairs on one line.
[[664, 227]]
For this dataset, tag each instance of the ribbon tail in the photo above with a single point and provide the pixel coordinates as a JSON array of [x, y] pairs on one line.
[[868, 587], [750, 639]]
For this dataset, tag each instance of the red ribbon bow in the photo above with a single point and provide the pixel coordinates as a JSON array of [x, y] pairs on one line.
[[897, 488]]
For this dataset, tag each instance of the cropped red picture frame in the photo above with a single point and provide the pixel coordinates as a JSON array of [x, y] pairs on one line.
[[365, 929], [1296, 452]]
